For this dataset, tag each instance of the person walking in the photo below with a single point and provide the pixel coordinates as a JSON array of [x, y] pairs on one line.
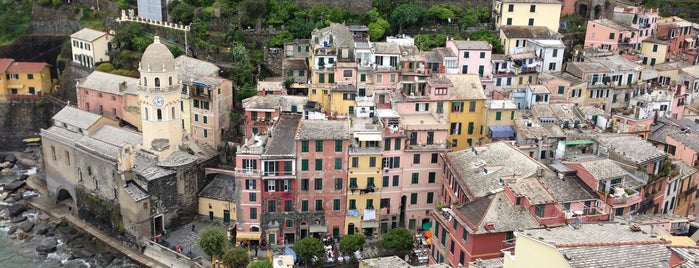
[[193, 226]]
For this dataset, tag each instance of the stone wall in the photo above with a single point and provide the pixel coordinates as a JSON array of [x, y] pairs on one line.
[[20, 119], [361, 6]]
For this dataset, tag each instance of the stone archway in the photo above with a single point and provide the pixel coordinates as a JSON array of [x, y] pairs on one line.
[[582, 10], [62, 195], [597, 12]]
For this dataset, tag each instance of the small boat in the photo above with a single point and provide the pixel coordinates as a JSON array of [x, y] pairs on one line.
[[31, 140]]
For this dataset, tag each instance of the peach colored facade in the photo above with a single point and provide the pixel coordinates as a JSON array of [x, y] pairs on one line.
[[608, 35], [682, 151], [102, 103]]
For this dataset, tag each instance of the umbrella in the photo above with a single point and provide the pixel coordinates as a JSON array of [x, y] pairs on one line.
[[426, 226], [428, 234], [289, 251]]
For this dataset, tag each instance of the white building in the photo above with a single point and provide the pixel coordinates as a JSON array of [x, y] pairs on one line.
[[90, 46], [550, 51]]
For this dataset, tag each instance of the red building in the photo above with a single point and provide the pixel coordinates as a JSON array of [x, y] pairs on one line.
[[321, 146], [278, 175]]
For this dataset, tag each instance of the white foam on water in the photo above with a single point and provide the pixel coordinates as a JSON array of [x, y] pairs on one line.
[[58, 256], [78, 262], [31, 171]]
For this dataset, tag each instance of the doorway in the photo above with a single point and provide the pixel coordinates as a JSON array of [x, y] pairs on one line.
[[158, 225], [403, 203], [226, 216], [211, 215], [350, 229]]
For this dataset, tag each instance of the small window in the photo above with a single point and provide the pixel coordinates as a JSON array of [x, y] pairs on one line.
[[531, 22], [532, 8]]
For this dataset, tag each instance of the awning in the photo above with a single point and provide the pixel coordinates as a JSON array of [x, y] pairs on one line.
[[317, 228], [370, 224], [368, 136], [248, 236], [578, 142], [500, 132]]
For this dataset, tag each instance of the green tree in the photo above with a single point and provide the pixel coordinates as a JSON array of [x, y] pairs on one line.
[[236, 258], [337, 15], [281, 11], [443, 12], [281, 38], [308, 248], [261, 264], [429, 41], [252, 10], [299, 28], [140, 43], [105, 67], [213, 241], [15, 17], [378, 29], [407, 14], [398, 239], [181, 12], [351, 243], [491, 37], [240, 53]]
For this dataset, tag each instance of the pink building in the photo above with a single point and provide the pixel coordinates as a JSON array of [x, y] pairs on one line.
[[644, 20], [260, 113], [473, 57], [321, 148], [678, 33], [103, 93], [609, 35], [248, 176], [564, 87]]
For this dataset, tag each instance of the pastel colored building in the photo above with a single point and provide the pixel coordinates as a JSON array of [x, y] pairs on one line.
[[678, 33], [321, 146], [90, 47], [551, 53], [104, 93], [654, 51], [609, 35], [217, 201], [644, 20], [279, 181], [464, 110], [564, 87], [473, 56], [496, 190], [527, 13], [24, 79], [514, 38]]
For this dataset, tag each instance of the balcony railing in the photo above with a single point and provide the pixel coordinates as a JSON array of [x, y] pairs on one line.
[[244, 172], [437, 145]]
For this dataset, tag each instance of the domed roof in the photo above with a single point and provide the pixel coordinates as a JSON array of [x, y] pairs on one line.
[[157, 58]]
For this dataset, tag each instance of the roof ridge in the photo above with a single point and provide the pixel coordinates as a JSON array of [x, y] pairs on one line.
[[618, 243]]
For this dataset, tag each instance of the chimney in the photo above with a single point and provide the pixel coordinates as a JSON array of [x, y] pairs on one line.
[[490, 226]]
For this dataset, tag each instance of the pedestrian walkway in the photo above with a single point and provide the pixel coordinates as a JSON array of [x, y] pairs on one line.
[[46, 205]]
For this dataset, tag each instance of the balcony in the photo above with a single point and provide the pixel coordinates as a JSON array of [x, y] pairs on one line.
[[437, 145], [325, 68], [623, 197], [245, 172]]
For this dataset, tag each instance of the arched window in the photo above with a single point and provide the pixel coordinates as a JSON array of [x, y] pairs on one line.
[[172, 113], [146, 113], [170, 81], [160, 114], [157, 81], [145, 82]]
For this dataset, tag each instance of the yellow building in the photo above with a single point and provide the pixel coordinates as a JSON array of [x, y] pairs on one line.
[[654, 51], [216, 199], [23, 79], [465, 109], [527, 13], [582, 245], [499, 115], [514, 38], [365, 166]]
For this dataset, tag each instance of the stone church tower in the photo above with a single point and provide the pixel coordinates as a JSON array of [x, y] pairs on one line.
[[159, 96]]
